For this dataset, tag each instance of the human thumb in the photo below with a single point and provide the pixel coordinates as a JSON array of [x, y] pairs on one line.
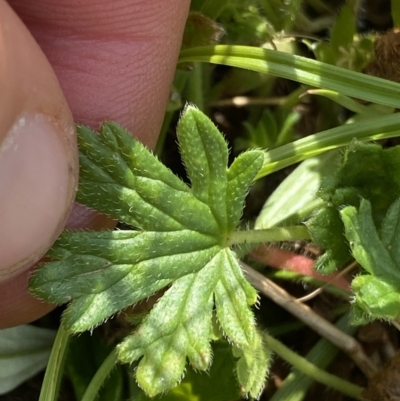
[[38, 157]]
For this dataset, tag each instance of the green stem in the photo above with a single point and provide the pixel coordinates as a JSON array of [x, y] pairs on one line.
[[100, 376], [179, 84], [348, 103], [296, 385], [311, 370], [55, 366], [275, 234], [163, 133], [195, 87], [292, 99]]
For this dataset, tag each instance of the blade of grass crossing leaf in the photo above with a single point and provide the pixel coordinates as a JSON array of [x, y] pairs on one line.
[[313, 145], [299, 69], [346, 102]]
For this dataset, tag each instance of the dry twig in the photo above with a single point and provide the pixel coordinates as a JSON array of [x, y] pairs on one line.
[[342, 340]]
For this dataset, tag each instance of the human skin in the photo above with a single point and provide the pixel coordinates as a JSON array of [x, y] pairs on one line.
[[63, 61]]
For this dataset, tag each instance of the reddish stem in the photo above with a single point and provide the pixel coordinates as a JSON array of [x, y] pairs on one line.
[[301, 264]]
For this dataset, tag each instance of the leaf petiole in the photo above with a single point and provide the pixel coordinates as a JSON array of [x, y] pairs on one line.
[[55, 367], [100, 376]]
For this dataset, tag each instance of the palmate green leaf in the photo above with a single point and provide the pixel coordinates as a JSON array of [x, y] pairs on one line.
[[343, 30], [377, 294], [24, 352], [180, 241]]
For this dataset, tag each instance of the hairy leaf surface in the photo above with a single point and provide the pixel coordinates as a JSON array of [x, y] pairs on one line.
[[179, 240]]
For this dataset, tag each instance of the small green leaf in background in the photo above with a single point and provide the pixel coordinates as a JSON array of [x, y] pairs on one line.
[[272, 130], [346, 48], [395, 8], [180, 242], [377, 294], [366, 171], [24, 351], [297, 191], [201, 30], [343, 30]]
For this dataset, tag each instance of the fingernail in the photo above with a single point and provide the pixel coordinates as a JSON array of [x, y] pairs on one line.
[[35, 191]]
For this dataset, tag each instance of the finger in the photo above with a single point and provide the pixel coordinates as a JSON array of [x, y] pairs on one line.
[[115, 61], [38, 161]]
